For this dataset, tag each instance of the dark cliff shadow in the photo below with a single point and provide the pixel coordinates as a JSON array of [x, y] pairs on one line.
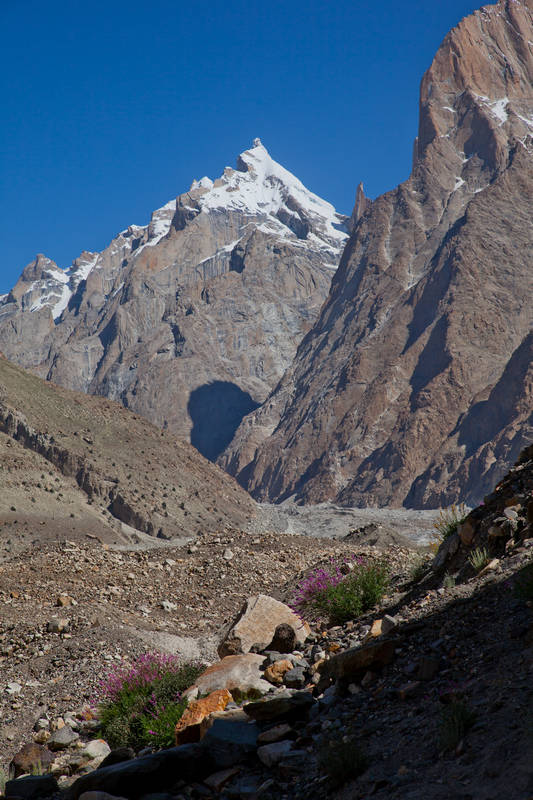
[[216, 410]]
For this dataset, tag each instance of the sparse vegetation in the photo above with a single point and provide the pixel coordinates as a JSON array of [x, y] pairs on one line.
[[478, 558], [447, 523], [419, 568], [140, 704], [449, 581], [456, 721], [342, 761], [328, 592]]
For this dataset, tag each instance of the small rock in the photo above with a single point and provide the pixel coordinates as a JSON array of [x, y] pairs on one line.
[[388, 624], [271, 754], [276, 671], [98, 748], [13, 688], [274, 734], [168, 606], [63, 738], [58, 625], [408, 690], [284, 639], [295, 678], [42, 736], [228, 554], [219, 779], [63, 600]]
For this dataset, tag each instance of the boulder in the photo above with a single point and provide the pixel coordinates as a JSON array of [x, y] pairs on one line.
[[31, 787], [284, 704], [156, 772], [257, 621], [31, 758], [118, 756], [188, 728], [275, 734], [229, 741], [448, 548], [271, 754], [346, 665], [240, 673], [466, 531]]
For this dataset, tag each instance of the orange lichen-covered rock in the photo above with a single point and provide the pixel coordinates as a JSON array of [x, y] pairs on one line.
[[188, 727], [275, 672]]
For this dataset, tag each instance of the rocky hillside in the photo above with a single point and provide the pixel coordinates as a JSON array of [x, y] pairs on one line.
[[426, 694], [76, 466], [414, 385], [191, 320]]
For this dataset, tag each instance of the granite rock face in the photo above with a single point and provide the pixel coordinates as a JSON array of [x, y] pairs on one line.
[[191, 320], [414, 385]]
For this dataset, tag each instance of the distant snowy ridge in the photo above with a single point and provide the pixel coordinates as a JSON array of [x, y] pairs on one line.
[[272, 197]]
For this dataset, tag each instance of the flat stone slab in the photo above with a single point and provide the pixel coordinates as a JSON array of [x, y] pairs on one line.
[[240, 673]]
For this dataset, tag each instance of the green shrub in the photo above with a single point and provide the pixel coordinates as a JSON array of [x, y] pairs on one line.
[[342, 761], [456, 721], [140, 704], [342, 598]]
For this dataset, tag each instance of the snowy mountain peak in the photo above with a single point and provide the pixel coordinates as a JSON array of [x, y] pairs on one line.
[[261, 187]]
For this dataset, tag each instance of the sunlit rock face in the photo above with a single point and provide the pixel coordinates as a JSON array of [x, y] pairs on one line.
[[415, 384]]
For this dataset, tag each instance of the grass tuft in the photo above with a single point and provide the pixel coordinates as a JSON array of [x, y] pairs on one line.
[[456, 721], [342, 761], [447, 523], [478, 558]]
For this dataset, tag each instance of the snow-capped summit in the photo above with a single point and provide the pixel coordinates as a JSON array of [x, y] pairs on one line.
[[259, 186]]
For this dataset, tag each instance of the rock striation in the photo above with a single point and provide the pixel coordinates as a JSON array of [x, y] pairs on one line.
[[84, 466], [414, 385], [192, 319]]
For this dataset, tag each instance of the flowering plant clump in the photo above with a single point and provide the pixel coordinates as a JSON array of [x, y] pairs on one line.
[[140, 703], [315, 585], [342, 592]]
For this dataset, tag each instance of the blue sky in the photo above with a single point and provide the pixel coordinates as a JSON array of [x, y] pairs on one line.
[[110, 109]]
